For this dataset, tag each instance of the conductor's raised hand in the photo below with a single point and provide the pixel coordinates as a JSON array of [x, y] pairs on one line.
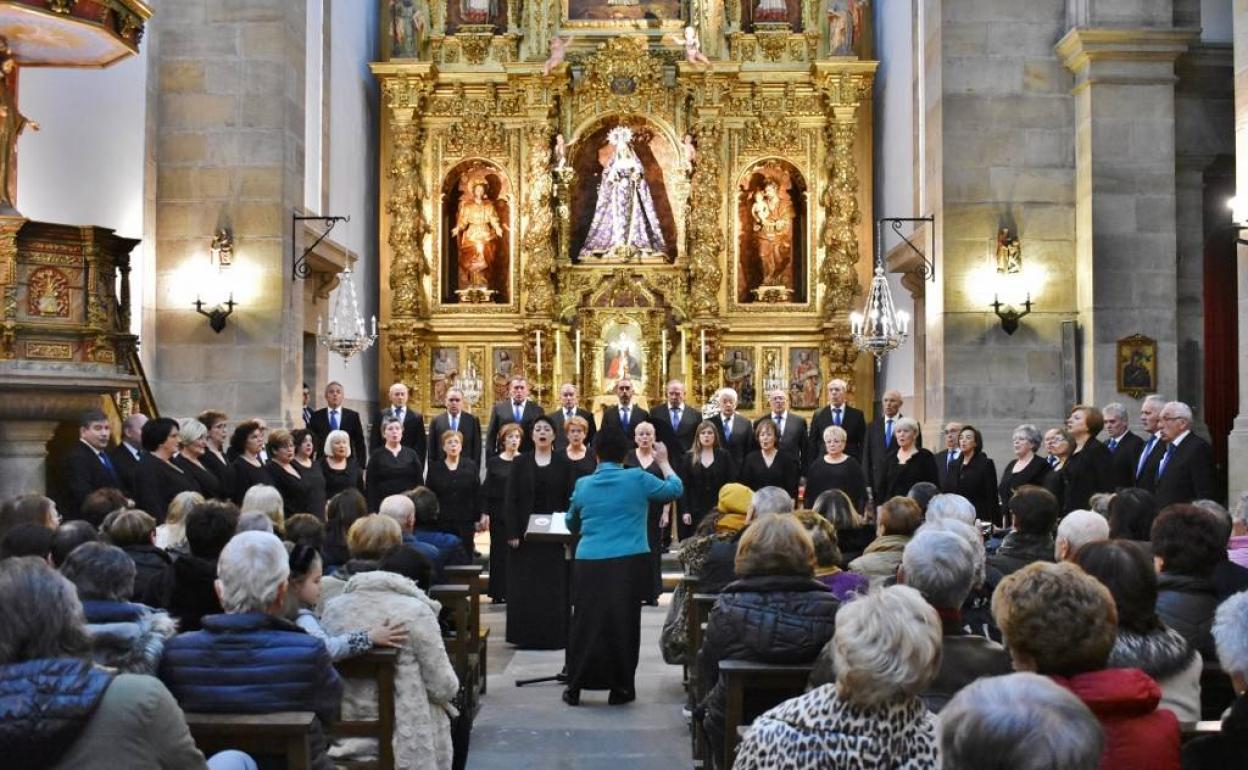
[[660, 453]]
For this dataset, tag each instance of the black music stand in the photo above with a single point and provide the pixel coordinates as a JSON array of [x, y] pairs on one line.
[[540, 531]]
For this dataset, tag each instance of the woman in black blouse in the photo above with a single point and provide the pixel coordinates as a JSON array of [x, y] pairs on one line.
[[581, 461], [707, 467], [537, 580], [157, 480], [836, 470], [215, 442], [456, 481], [1061, 446], [305, 462], [909, 465], [1027, 467], [975, 477], [296, 491], [642, 456], [392, 468], [340, 470], [494, 504], [192, 454], [1088, 470], [767, 466], [246, 470]]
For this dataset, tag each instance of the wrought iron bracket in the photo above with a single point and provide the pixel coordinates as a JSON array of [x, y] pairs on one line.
[[299, 262], [1009, 314], [1239, 238], [928, 268]]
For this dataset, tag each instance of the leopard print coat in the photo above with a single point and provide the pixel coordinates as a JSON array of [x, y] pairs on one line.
[[821, 731]]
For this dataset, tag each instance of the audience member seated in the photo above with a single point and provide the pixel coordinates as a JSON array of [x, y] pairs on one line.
[[69, 536], [977, 609], [922, 493], [368, 540], [775, 612], [1228, 577], [898, 519], [134, 532], [1034, 512], [717, 569], [1237, 546], [950, 506], [1186, 546], [1230, 746], [1077, 529], [171, 536], [692, 553], [1061, 622], [28, 509], [267, 500], [403, 511], [100, 503], [306, 529], [126, 636], [61, 711], [342, 510], [425, 681], [428, 529], [885, 652], [1099, 503], [254, 521], [1143, 641], [209, 526], [844, 585], [250, 659], [1019, 722], [1131, 514], [28, 540], [853, 532]]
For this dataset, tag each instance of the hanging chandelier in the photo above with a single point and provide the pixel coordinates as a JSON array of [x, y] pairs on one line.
[[880, 328], [470, 384], [346, 335]]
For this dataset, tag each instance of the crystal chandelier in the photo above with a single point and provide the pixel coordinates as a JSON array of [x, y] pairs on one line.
[[346, 335], [469, 383], [880, 328]]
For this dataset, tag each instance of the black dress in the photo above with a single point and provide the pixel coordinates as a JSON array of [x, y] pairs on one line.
[[458, 505], [846, 476], [702, 484], [899, 476], [578, 469], [296, 489], [783, 472], [493, 504], [157, 482], [391, 473], [537, 578], [654, 533], [1036, 472], [244, 476], [316, 488], [209, 485], [350, 477], [219, 468], [977, 481], [1088, 471]]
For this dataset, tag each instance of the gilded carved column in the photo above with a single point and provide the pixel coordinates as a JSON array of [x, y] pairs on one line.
[[537, 247], [706, 235], [9, 227], [838, 273]]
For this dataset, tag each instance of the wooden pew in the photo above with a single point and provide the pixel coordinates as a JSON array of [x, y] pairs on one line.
[[750, 689], [699, 612], [1216, 692], [1190, 730], [457, 601], [470, 575], [282, 733], [377, 665]]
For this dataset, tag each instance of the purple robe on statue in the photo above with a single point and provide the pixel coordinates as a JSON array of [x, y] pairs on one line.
[[625, 224]]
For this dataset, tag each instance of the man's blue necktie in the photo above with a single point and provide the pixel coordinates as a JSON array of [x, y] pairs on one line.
[[1165, 459], [454, 423], [888, 432], [836, 416], [675, 419], [519, 412], [108, 465], [333, 420], [1113, 444], [1148, 450], [727, 428]]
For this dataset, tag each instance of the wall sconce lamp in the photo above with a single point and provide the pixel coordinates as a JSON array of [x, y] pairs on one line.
[[1009, 314], [218, 314], [220, 257]]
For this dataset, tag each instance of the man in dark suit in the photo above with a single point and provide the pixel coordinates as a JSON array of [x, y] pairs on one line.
[[837, 412], [1123, 445], [307, 406], [790, 428], [675, 422], [335, 416], [125, 456], [568, 408], [412, 420], [947, 457], [736, 434], [1149, 455], [1185, 471], [455, 418], [626, 415], [517, 408], [880, 443], [88, 467]]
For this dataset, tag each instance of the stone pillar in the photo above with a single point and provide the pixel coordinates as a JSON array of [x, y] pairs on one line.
[[1237, 445], [229, 136], [24, 455], [1125, 264]]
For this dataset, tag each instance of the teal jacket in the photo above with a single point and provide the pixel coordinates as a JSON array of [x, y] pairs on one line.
[[609, 509]]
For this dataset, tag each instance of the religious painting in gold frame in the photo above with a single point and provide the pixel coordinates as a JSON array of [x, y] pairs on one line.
[[805, 379], [443, 369], [1137, 365], [623, 355], [627, 14], [739, 366], [504, 364]]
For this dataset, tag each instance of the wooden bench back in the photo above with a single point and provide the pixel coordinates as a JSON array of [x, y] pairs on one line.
[[283, 734], [752, 688], [458, 601], [379, 666]]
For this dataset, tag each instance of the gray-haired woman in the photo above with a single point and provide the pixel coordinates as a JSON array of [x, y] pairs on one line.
[[393, 468], [1026, 468]]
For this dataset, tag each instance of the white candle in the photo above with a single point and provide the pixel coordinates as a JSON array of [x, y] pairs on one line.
[[663, 349], [702, 349], [683, 347], [577, 352], [558, 367], [539, 357]]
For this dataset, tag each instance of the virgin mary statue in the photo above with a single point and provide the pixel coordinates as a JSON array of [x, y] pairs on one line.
[[625, 225]]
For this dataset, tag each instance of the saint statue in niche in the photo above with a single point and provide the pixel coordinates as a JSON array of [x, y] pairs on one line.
[[625, 225], [476, 11], [773, 229], [771, 11], [404, 19], [621, 356], [1009, 252], [478, 233], [769, 234]]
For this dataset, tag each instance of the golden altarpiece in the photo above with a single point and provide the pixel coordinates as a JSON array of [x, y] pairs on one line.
[[581, 190]]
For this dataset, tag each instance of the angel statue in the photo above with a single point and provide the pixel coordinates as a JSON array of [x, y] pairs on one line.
[[625, 224], [693, 49], [561, 153], [690, 150], [558, 49], [12, 124]]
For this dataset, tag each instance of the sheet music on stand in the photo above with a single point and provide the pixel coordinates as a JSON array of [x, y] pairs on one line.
[[549, 527]]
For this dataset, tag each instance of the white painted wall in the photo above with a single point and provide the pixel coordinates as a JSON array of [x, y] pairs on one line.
[[895, 163], [1215, 21], [313, 113], [85, 164], [352, 173]]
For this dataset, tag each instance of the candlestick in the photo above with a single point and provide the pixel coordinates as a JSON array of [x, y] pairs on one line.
[[558, 367], [683, 347], [539, 358], [663, 348], [578, 352], [702, 350]]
